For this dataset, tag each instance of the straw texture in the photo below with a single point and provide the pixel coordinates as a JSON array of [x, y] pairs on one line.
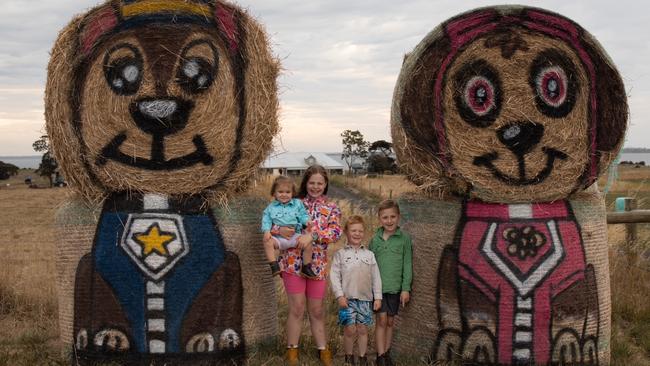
[[504, 117], [159, 113]]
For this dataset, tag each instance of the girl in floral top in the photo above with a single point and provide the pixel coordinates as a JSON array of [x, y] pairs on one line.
[[310, 292]]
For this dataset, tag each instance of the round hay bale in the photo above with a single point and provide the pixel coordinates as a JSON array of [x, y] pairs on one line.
[[159, 113], [473, 113], [505, 117]]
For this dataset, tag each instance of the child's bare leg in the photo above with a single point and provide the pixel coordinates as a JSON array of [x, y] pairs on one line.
[[349, 332], [380, 333], [269, 249], [362, 339], [390, 320]]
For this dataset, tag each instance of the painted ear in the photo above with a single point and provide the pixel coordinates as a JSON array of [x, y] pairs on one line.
[[257, 70], [59, 90], [416, 142], [611, 105], [228, 19], [96, 24]]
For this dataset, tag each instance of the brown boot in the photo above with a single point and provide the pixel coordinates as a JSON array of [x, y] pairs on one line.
[[292, 356], [325, 357]]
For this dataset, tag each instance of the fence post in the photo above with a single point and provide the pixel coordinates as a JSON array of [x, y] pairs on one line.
[[625, 204], [390, 194]]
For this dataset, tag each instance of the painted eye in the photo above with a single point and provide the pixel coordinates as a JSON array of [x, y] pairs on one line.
[[124, 75], [554, 83], [478, 93], [551, 84], [195, 75]]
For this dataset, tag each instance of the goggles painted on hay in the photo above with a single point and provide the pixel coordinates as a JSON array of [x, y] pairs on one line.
[[466, 29], [126, 14]]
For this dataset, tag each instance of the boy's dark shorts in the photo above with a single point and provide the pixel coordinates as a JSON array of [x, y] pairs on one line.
[[389, 304]]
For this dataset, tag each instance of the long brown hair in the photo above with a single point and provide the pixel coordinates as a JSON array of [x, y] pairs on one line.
[[314, 169]]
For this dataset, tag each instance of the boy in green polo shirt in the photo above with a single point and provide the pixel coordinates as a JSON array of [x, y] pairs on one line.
[[393, 252]]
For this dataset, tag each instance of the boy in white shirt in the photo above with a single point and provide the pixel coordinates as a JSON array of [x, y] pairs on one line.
[[356, 283]]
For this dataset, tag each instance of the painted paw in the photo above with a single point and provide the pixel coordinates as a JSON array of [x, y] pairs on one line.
[[111, 340], [590, 352], [448, 347], [566, 348], [229, 339], [200, 343], [480, 347], [81, 341]]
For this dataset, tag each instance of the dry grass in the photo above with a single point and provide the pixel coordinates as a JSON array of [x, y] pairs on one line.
[[379, 187], [28, 327]]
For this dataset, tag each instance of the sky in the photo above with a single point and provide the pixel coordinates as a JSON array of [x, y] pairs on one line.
[[340, 61]]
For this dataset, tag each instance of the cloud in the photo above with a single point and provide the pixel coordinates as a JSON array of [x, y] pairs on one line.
[[340, 58]]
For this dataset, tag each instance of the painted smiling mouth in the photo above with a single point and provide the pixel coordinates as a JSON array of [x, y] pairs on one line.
[[488, 159], [157, 162]]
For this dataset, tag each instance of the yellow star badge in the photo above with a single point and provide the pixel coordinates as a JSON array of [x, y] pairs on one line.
[[154, 240]]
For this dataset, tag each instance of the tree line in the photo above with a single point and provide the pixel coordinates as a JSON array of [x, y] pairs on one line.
[[378, 155]]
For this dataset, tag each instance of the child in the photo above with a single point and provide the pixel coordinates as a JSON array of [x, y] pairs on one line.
[[285, 211], [393, 251], [355, 282]]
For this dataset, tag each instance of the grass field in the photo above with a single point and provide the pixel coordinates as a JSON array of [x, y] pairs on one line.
[[28, 326]]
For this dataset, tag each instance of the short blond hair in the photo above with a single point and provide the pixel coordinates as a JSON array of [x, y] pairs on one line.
[[354, 219], [386, 204]]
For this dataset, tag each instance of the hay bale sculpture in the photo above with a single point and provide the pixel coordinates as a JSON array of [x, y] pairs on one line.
[[505, 117], [159, 113]]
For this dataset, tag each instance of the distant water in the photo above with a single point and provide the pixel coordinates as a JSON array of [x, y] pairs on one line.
[[636, 157], [30, 162]]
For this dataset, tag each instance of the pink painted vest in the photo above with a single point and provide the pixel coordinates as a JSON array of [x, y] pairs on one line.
[[520, 256]]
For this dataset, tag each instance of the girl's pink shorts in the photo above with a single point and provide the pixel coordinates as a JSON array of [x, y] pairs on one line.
[[313, 289]]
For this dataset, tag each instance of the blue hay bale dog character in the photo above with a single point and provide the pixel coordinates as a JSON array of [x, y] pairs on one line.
[[157, 109]]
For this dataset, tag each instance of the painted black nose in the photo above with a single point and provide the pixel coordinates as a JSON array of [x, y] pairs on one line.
[[521, 137], [160, 116]]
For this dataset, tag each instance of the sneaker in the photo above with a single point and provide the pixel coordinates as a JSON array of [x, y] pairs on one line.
[[308, 272], [325, 357], [292, 356], [349, 360], [363, 360], [275, 268]]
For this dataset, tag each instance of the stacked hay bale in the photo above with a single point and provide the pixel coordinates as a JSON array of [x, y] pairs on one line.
[[505, 117], [159, 113]]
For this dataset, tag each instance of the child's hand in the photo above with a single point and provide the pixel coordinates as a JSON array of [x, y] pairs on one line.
[[287, 231], [376, 305], [309, 227], [303, 241], [343, 302], [404, 298], [267, 236]]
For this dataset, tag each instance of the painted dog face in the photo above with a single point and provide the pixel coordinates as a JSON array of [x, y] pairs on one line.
[[508, 104], [160, 107], [171, 97], [517, 119]]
